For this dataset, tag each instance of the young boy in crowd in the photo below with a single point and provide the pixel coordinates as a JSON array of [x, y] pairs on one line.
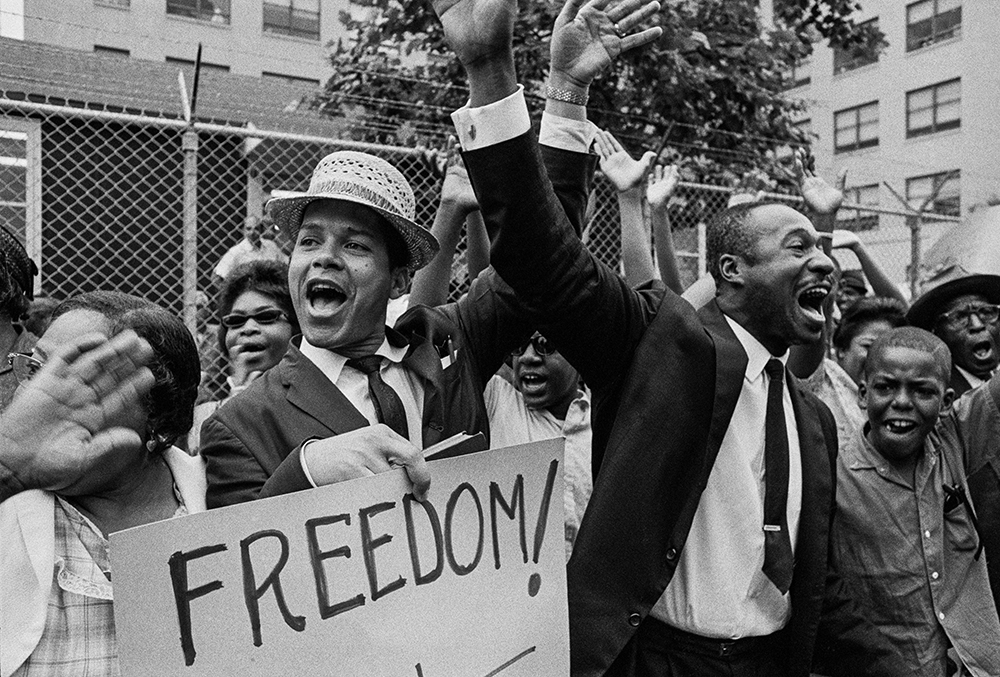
[[905, 534]]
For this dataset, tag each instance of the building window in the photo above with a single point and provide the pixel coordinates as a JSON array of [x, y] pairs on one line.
[[292, 17], [948, 187], [216, 11], [930, 21], [934, 109], [104, 50], [800, 73], [21, 184], [855, 128], [120, 4], [205, 66], [290, 79], [854, 57], [859, 219]]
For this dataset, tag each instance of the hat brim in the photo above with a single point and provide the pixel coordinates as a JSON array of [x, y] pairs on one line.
[[925, 310], [420, 243]]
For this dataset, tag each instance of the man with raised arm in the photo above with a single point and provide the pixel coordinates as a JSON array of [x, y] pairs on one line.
[[705, 547]]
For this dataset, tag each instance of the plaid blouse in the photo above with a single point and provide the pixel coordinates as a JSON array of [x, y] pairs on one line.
[[79, 638]]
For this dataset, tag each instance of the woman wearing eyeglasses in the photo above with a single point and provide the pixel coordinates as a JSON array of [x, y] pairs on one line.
[[257, 322], [56, 615]]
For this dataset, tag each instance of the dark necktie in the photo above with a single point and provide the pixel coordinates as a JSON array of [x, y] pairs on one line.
[[777, 542], [388, 406]]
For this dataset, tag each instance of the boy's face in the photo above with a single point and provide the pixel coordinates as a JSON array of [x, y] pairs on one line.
[[904, 392]]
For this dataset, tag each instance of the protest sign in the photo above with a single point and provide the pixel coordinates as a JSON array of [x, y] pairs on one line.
[[358, 578]]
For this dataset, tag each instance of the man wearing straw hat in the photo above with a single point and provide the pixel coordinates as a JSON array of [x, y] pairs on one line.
[[353, 397]]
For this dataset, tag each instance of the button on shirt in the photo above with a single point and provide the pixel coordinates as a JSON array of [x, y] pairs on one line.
[[718, 589], [910, 564], [354, 385]]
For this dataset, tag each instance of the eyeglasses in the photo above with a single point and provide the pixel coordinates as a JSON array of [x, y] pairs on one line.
[[539, 343], [268, 316], [962, 317], [24, 365]]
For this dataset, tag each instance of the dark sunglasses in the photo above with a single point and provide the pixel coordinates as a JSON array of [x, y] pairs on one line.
[[541, 345], [268, 316]]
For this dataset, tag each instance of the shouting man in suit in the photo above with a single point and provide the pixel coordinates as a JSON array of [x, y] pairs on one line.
[[704, 550], [353, 397]]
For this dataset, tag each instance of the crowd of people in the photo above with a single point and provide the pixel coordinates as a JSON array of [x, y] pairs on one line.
[[776, 471]]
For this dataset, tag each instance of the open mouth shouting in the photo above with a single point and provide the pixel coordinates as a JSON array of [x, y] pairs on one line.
[[811, 302], [324, 297], [533, 383]]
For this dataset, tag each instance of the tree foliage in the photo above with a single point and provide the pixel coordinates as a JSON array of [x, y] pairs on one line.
[[714, 84]]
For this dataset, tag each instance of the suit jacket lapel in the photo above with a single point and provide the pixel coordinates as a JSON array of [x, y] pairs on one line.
[[308, 389], [730, 368]]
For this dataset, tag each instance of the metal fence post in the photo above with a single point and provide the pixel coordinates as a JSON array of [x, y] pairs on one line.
[[915, 227], [189, 144]]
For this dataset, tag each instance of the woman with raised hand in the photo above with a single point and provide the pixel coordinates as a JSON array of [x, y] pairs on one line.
[[85, 386]]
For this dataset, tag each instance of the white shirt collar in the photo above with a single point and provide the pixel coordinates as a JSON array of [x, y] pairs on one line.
[[974, 381], [757, 354], [332, 363]]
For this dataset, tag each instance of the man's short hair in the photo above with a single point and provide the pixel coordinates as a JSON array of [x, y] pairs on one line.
[[730, 232], [863, 311], [915, 339]]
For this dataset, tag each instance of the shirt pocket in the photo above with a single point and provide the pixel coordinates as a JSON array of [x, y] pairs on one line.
[[958, 529]]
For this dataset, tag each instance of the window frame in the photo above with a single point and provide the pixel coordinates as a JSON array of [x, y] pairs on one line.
[[862, 220], [200, 13], [937, 34], [32, 205], [859, 143], [935, 178], [936, 104], [845, 61], [288, 29]]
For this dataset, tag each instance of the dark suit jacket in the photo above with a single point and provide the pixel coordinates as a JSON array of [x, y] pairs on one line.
[[665, 380], [252, 443], [959, 383]]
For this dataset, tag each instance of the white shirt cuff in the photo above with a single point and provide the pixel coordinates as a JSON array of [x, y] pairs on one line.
[[302, 462], [493, 123], [573, 135]]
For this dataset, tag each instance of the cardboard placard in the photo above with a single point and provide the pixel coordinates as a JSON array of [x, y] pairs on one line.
[[358, 578]]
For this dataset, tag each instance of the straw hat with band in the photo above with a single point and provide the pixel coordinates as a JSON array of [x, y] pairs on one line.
[[925, 310], [366, 180]]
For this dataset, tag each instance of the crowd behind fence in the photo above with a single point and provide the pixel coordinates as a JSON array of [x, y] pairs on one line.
[[148, 205]]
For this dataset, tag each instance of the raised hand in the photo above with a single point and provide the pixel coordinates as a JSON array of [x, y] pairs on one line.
[[624, 172], [63, 425], [588, 36], [819, 196], [457, 190], [479, 31], [662, 184], [845, 239]]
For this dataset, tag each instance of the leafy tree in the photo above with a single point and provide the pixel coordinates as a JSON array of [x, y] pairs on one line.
[[714, 84]]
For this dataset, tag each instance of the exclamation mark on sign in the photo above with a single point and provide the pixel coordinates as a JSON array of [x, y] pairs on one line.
[[535, 581]]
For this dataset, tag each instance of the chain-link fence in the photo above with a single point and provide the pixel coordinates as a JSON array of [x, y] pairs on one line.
[[148, 205]]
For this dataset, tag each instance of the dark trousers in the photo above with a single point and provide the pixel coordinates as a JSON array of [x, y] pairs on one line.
[[663, 651]]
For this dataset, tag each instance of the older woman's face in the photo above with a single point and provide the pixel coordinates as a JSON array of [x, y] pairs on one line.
[[64, 329], [257, 343]]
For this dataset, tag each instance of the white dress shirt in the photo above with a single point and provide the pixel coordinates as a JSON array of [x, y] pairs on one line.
[[719, 589], [354, 385]]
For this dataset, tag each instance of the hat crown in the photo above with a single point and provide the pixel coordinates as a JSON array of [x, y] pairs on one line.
[[366, 177]]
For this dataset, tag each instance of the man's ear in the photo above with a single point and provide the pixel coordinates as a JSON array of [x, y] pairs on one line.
[[863, 394], [732, 269], [400, 282], [948, 399]]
